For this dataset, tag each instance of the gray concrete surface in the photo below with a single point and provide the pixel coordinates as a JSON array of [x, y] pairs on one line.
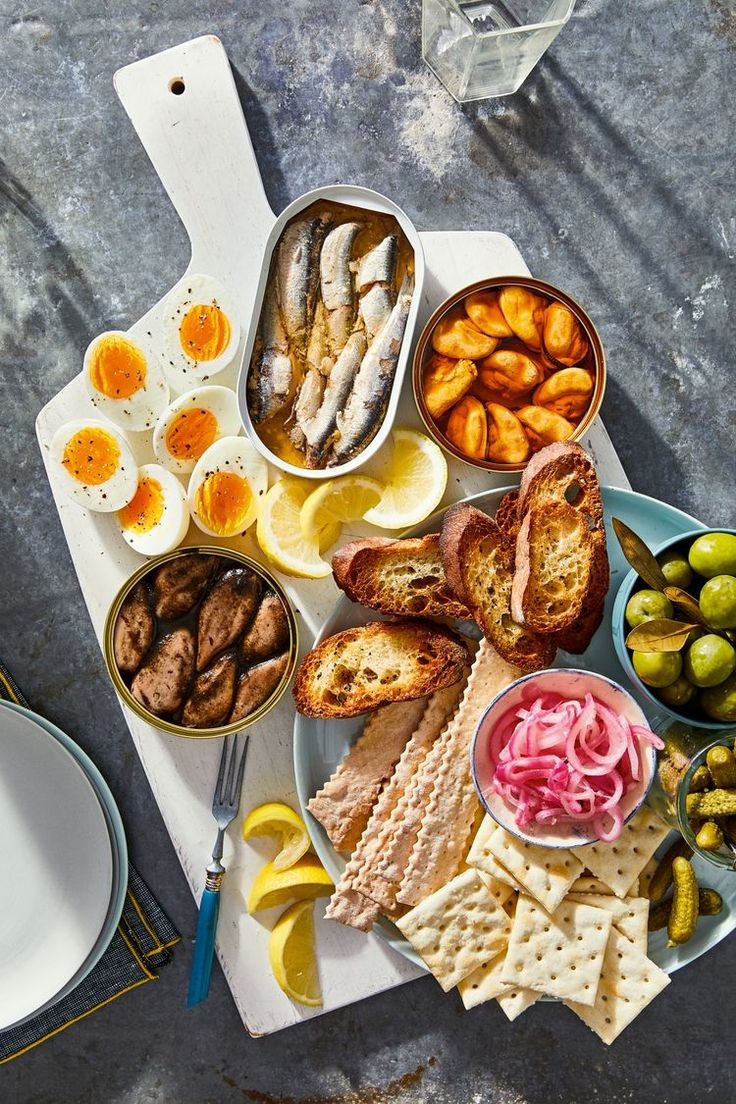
[[613, 170]]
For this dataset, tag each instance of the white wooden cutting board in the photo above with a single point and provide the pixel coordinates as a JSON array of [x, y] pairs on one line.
[[199, 146]]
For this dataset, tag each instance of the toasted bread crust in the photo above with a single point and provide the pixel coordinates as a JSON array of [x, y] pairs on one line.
[[479, 564], [507, 514], [381, 662], [578, 636], [562, 471], [554, 554], [403, 578]]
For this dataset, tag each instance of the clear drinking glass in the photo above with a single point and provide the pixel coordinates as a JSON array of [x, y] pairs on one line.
[[481, 48]]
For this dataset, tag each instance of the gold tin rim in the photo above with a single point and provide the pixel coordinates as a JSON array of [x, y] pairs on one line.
[[490, 284], [168, 726]]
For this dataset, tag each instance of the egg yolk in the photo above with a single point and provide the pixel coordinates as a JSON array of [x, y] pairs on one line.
[[91, 456], [118, 368], [191, 433], [204, 331], [223, 501], [145, 509]]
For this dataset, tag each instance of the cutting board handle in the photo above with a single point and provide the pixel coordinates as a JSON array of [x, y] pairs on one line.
[[185, 108]]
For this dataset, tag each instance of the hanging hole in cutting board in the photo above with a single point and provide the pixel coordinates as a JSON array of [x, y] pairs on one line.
[[177, 86]]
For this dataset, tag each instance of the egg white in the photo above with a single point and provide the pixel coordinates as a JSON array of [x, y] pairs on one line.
[[116, 491], [234, 454], [139, 411], [222, 404], [170, 530], [181, 370]]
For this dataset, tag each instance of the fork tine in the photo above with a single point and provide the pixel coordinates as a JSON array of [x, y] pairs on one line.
[[235, 792], [228, 785], [217, 800]]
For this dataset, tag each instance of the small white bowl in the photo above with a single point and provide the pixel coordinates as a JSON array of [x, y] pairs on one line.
[[570, 683]]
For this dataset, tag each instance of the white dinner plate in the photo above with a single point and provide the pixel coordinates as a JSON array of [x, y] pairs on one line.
[[56, 867]]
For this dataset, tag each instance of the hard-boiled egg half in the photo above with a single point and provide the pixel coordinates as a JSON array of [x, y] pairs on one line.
[[193, 422], [201, 331], [95, 464], [157, 518], [125, 381], [226, 486]]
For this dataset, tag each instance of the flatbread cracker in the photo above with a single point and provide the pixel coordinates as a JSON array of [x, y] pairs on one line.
[[629, 981], [350, 901], [559, 954], [343, 805], [545, 872], [630, 915], [515, 1001], [457, 928], [589, 884], [449, 813], [620, 863], [484, 983], [482, 858], [500, 891]]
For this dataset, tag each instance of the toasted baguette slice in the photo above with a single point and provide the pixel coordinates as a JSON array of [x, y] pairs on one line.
[[507, 515], [554, 557], [562, 472], [400, 577], [479, 565], [576, 638], [381, 662]]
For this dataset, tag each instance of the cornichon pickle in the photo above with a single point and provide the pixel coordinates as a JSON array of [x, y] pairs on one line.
[[662, 876], [701, 779], [722, 767], [712, 803], [710, 903], [685, 903], [710, 836]]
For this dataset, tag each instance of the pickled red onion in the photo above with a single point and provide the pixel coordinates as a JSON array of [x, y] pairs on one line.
[[566, 761]]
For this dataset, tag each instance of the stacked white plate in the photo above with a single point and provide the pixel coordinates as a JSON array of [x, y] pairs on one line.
[[63, 865]]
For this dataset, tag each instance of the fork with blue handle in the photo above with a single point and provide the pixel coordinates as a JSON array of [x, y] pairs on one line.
[[225, 805]]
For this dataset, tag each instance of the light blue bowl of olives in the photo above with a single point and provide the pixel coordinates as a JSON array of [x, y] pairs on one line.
[[695, 682]]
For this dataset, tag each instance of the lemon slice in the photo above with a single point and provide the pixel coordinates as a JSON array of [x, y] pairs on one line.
[[303, 881], [280, 536], [414, 477], [337, 501], [291, 951], [276, 819]]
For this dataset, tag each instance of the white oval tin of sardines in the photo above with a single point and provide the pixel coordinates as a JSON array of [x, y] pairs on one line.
[[331, 329]]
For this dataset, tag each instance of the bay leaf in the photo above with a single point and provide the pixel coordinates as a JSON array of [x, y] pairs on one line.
[[687, 603], [639, 556], [662, 634]]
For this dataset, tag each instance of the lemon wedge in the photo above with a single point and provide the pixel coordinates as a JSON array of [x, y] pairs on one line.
[[280, 535], [291, 950], [414, 477], [303, 881], [337, 501], [276, 819]]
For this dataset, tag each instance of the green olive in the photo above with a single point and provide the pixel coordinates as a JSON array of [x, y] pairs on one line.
[[713, 554], [675, 568], [719, 702], [647, 605], [657, 669], [678, 693], [718, 602], [710, 660]]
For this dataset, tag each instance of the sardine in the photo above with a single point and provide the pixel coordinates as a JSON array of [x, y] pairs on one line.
[[379, 265], [320, 430], [297, 277], [336, 283], [308, 402], [375, 307], [272, 377], [375, 280], [363, 413]]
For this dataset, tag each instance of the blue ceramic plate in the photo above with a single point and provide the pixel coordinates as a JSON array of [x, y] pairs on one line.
[[119, 853], [319, 745]]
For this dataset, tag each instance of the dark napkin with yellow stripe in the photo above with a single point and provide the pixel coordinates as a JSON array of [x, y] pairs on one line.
[[140, 946]]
